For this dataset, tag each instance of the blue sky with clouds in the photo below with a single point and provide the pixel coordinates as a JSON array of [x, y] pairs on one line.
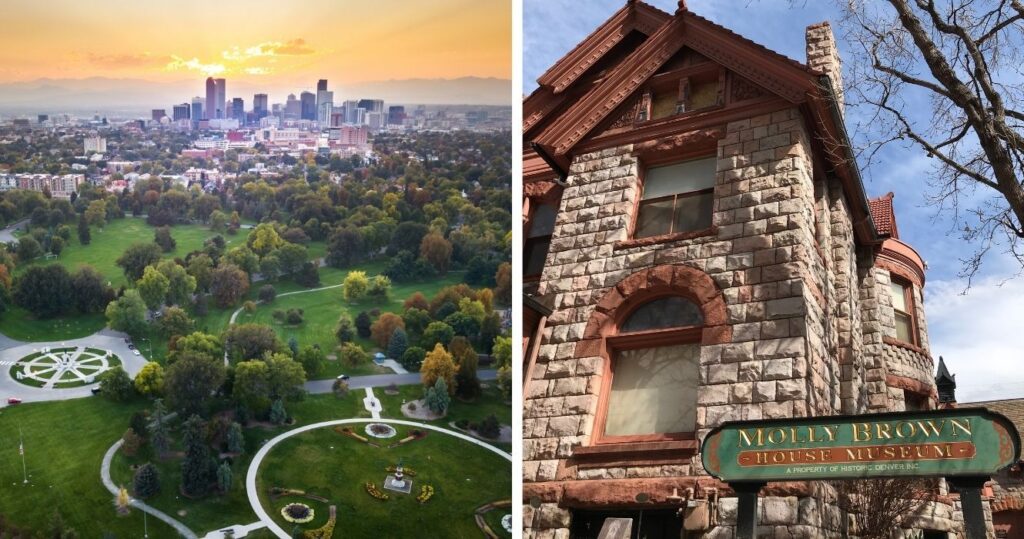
[[976, 332]]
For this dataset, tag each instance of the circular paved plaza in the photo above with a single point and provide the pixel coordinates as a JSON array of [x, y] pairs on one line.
[[63, 367]]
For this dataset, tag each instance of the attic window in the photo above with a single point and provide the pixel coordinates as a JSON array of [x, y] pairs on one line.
[[673, 96]]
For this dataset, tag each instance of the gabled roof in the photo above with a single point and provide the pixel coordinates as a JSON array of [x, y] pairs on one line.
[[884, 216]]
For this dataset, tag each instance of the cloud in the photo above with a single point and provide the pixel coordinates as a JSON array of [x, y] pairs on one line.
[[193, 64], [120, 61], [258, 70], [977, 334], [293, 47]]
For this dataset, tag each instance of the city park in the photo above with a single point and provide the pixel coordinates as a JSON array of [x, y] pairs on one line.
[[353, 458]]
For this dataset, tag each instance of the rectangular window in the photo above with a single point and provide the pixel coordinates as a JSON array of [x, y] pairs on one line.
[[538, 239], [677, 198], [903, 309], [654, 391]]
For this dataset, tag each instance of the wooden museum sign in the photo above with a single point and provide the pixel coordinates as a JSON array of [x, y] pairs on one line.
[[944, 443], [965, 445]]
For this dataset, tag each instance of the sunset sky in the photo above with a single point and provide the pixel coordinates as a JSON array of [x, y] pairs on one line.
[[259, 42]]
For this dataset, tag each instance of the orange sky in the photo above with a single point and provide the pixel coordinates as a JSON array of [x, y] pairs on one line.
[[276, 44]]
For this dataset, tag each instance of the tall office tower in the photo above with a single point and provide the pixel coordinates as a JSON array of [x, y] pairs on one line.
[[350, 111], [221, 100], [321, 85], [259, 106], [197, 111], [324, 107], [396, 114], [238, 110], [292, 107], [210, 106], [42, 117], [180, 112], [308, 101], [157, 114], [372, 105]]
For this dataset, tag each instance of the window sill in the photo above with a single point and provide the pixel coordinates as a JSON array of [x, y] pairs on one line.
[[634, 453], [665, 238], [905, 345]]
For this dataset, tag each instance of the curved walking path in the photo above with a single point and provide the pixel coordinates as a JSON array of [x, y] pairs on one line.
[[182, 529], [254, 466]]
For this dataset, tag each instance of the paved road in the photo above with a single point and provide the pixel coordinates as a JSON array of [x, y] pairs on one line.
[[382, 380], [105, 340], [7, 234]]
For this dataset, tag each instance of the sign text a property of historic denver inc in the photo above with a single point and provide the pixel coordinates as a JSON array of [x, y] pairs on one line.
[[948, 443]]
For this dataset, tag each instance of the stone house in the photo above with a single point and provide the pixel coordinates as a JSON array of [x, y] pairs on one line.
[[699, 248]]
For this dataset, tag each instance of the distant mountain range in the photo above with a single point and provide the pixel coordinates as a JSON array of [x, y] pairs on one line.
[[138, 97]]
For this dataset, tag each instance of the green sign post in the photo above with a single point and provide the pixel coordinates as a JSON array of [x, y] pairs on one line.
[[964, 445]]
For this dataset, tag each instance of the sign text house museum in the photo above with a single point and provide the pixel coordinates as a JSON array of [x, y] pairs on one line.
[[699, 249]]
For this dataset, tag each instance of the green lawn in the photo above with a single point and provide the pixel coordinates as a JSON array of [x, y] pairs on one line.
[[64, 445], [464, 477], [489, 402]]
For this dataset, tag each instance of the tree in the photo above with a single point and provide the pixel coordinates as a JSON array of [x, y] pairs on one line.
[[43, 290], [96, 213], [436, 250], [380, 288], [159, 437], [339, 388], [218, 221], [267, 293], [353, 355], [200, 267], [180, 285], [416, 301], [879, 506], [489, 427], [163, 238], [139, 424], [270, 267], [251, 387], [56, 245], [285, 377], [127, 313], [467, 384], [308, 275], [408, 236], [344, 331], [437, 397], [174, 322], [150, 380], [136, 258], [355, 285], [28, 249], [502, 352], [463, 324], [437, 333], [251, 341], [384, 327], [189, 382], [413, 358], [490, 329], [153, 287], [264, 239], [961, 58], [236, 442], [228, 284], [294, 317], [312, 360], [198, 469], [397, 344], [130, 443], [416, 321], [84, 237], [197, 343], [291, 257], [224, 477], [438, 364], [278, 415], [363, 324], [344, 248], [91, 291], [115, 384], [504, 382], [146, 482], [503, 288]]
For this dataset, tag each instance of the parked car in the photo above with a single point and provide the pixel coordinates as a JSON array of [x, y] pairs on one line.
[[136, 351], [13, 400], [96, 390], [343, 377]]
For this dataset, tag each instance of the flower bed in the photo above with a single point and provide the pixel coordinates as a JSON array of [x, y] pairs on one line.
[[324, 532], [297, 513], [426, 492], [372, 490], [380, 430]]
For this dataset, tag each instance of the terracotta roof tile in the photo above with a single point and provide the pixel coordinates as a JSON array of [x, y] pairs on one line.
[[883, 216]]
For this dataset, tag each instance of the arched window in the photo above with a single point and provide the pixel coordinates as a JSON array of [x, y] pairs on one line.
[[652, 379]]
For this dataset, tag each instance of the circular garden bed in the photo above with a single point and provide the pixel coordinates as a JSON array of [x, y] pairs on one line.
[[63, 367]]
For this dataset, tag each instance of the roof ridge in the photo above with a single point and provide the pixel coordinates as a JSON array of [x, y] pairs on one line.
[[749, 41]]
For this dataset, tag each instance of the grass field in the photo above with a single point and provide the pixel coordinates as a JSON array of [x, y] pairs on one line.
[[463, 476], [489, 402]]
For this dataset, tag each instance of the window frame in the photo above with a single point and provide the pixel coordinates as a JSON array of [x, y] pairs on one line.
[[638, 340], [911, 312], [528, 239], [643, 166]]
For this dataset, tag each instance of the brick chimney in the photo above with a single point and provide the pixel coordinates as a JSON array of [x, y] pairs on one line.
[[823, 55]]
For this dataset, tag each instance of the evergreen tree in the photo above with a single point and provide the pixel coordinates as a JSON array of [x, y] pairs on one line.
[[236, 442], [197, 474], [398, 344], [437, 398], [363, 324], [293, 345], [278, 414], [158, 436], [224, 477], [146, 482]]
